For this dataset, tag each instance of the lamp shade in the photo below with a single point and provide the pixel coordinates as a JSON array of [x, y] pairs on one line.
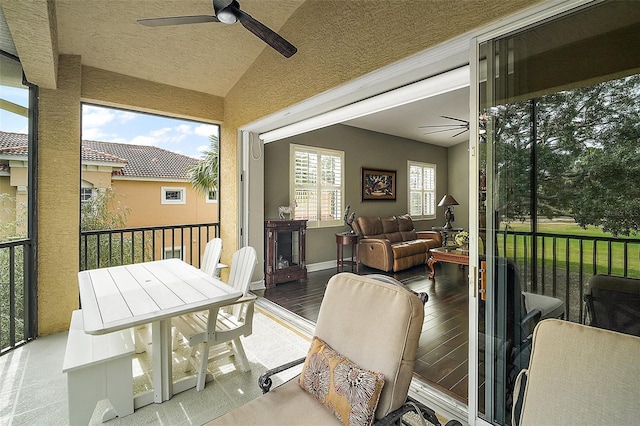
[[448, 200]]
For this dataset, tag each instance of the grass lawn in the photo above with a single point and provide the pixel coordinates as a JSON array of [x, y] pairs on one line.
[[579, 250]]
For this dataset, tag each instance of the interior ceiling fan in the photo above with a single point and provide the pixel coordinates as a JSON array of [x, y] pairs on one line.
[[463, 126], [229, 12]]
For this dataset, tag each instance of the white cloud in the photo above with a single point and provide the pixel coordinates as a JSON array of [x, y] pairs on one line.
[[206, 130], [184, 129], [95, 117]]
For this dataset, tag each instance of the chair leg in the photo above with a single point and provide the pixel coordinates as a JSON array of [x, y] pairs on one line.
[[176, 338], [191, 359], [202, 371], [240, 355]]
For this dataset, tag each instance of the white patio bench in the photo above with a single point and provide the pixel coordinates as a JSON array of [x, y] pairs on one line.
[[97, 367]]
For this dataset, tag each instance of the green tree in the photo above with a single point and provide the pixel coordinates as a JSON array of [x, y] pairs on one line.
[[204, 173], [103, 212], [587, 155]]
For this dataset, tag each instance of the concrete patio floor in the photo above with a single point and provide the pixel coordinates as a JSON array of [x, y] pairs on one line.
[[33, 389]]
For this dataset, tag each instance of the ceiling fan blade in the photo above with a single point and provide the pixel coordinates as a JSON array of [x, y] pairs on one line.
[[177, 20], [465, 130], [460, 126], [265, 33], [440, 131], [453, 118]]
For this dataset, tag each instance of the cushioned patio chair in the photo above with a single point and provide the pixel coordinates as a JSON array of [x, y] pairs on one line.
[[366, 336], [579, 375], [613, 303]]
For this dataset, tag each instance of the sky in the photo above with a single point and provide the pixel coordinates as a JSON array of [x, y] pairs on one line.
[[116, 125]]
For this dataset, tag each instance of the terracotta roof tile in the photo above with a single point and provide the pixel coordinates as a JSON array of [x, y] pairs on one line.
[[141, 160]]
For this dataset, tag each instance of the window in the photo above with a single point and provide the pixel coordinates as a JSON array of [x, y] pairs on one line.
[[173, 253], [86, 194], [173, 195], [317, 185], [422, 190], [211, 197]]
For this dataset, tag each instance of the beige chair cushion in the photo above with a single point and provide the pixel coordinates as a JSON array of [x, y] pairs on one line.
[[580, 375], [377, 326], [282, 406]]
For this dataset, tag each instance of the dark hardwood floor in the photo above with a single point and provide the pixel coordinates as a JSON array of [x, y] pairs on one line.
[[443, 351]]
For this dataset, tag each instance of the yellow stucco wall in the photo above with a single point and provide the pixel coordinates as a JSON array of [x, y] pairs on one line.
[[59, 169], [143, 201], [336, 41], [58, 194]]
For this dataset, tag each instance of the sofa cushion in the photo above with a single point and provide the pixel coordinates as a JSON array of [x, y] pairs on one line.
[[370, 226], [409, 248], [349, 391], [405, 223], [389, 224]]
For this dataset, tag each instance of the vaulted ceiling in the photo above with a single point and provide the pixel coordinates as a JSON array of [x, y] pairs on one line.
[[205, 57]]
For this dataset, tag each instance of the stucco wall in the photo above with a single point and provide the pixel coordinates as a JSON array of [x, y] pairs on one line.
[[143, 201], [59, 168], [338, 41], [58, 198]]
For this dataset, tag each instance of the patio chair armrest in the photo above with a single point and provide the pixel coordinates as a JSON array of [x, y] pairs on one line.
[[413, 406], [529, 321], [264, 381], [248, 298]]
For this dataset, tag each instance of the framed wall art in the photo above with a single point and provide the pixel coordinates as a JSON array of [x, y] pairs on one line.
[[378, 184]]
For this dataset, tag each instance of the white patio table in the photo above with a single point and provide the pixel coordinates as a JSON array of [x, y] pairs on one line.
[[122, 297]]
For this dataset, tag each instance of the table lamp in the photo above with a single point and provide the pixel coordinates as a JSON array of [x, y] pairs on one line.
[[448, 201]]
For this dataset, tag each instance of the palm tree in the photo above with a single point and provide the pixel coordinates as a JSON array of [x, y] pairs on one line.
[[204, 173]]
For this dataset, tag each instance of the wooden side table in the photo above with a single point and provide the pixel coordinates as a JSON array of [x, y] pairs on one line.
[[346, 240]]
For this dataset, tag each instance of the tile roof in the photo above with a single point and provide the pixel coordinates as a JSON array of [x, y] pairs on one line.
[[13, 144], [141, 160]]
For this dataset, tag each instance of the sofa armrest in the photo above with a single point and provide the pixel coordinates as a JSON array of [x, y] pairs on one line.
[[430, 235], [376, 253]]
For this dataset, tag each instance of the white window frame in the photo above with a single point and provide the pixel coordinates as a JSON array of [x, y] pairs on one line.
[[320, 223], [180, 250], [429, 193], [181, 189], [86, 188], [208, 199]]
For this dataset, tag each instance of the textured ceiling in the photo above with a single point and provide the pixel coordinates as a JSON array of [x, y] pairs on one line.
[[208, 57]]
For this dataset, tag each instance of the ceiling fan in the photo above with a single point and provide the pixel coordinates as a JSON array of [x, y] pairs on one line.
[[229, 12], [463, 126]]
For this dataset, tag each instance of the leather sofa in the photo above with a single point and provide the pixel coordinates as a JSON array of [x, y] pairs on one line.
[[392, 243]]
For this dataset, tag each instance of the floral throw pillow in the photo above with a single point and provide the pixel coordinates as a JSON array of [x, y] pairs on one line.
[[351, 392]]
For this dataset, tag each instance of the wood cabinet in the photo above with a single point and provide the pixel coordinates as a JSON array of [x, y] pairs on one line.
[[285, 242]]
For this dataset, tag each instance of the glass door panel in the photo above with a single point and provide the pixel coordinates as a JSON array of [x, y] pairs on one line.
[[559, 133]]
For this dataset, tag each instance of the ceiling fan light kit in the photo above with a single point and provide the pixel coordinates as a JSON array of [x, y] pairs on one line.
[[229, 12]]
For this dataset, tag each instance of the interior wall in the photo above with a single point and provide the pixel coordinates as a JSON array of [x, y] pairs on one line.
[[361, 148], [458, 178]]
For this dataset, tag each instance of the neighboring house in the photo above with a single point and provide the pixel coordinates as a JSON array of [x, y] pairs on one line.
[[150, 182]]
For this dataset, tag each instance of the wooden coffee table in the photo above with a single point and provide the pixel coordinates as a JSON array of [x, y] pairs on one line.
[[449, 255]]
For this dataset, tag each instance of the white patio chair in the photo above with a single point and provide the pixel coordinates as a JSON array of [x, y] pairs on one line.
[[211, 257], [208, 329]]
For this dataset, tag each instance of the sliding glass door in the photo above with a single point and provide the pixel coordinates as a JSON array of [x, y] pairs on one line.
[[558, 149]]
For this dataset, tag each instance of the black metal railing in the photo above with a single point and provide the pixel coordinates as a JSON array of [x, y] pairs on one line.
[[564, 263], [14, 299], [112, 247]]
